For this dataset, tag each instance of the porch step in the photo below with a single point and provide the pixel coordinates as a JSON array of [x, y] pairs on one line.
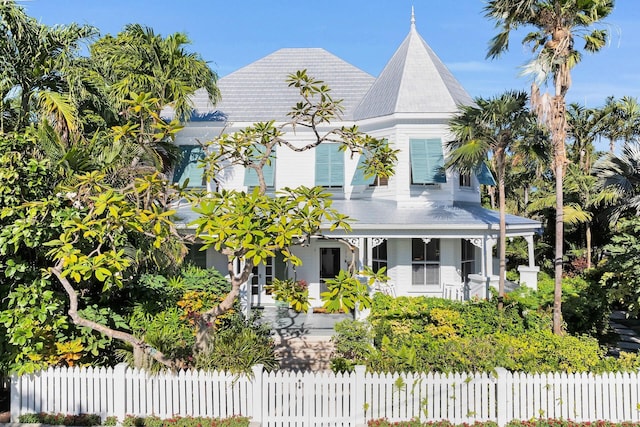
[[304, 353]]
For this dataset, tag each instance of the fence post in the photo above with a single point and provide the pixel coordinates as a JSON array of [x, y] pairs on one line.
[[16, 397], [257, 390], [120, 391], [358, 396], [503, 396]]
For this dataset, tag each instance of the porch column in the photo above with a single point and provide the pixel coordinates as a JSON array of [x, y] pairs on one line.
[[479, 283], [529, 274], [532, 261], [358, 242]]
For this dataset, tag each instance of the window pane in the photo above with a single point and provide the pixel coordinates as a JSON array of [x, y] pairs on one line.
[[417, 275], [433, 250], [417, 249], [432, 273]]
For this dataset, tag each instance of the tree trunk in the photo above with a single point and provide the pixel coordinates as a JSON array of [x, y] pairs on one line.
[[204, 325], [557, 290], [588, 237], [558, 117], [502, 251], [136, 343]]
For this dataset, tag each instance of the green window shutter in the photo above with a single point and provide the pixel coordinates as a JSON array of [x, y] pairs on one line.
[[427, 161], [188, 166], [484, 175], [329, 165], [359, 177], [269, 171]]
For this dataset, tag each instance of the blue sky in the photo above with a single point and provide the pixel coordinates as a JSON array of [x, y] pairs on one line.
[[232, 34]]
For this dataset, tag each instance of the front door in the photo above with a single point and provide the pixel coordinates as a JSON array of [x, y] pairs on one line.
[[329, 265], [262, 275]]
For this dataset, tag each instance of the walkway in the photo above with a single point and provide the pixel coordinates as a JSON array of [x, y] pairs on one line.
[[303, 340], [628, 331]]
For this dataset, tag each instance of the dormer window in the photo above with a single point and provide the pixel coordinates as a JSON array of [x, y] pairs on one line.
[[329, 166], [427, 162], [188, 167]]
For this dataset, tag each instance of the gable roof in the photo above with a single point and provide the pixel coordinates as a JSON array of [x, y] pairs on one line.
[[414, 81], [259, 92]]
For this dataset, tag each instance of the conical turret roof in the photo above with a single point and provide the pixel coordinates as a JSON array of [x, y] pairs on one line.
[[414, 81]]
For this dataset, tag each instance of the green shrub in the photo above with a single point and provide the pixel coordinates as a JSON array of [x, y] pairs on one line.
[[433, 334], [352, 345], [110, 421], [239, 346]]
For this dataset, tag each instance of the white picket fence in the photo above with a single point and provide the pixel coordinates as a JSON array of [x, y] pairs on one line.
[[326, 399]]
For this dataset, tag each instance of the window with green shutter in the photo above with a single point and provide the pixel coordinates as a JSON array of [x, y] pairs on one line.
[[359, 177], [329, 165], [427, 161], [269, 171], [188, 167], [484, 175]]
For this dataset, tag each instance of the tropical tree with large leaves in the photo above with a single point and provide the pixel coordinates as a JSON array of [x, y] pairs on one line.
[[556, 25], [493, 127]]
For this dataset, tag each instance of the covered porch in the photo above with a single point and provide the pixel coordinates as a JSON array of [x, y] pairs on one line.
[[440, 251]]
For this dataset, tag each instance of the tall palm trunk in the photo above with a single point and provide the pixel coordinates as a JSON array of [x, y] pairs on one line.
[[559, 131], [588, 237], [502, 255]]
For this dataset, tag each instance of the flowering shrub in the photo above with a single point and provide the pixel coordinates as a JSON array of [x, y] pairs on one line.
[[153, 421], [61, 419], [383, 422], [294, 292]]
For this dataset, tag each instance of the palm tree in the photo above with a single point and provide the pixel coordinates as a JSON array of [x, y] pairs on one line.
[[492, 127], [140, 61], [557, 23], [620, 120], [619, 177], [32, 59], [584, 126]]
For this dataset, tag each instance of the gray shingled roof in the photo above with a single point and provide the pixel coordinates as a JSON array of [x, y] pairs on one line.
[[386, 217], [413, 81], [377, 214], [259, 92]]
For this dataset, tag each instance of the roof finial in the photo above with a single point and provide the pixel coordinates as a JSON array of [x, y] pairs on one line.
[[413, 19]]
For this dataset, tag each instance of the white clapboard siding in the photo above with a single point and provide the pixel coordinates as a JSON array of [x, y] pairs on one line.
[[306, 399]]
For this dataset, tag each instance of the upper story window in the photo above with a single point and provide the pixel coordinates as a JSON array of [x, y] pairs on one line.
[[425, 262], [380, 181], [359, 177], [329, 166], [188, 167], [484, 175], [269, 172], [427, 161], [465, 180]]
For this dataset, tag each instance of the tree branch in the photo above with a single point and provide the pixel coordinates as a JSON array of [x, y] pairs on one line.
[[112, 333]]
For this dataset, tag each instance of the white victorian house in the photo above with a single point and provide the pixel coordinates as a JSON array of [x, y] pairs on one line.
[[426, 227]]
